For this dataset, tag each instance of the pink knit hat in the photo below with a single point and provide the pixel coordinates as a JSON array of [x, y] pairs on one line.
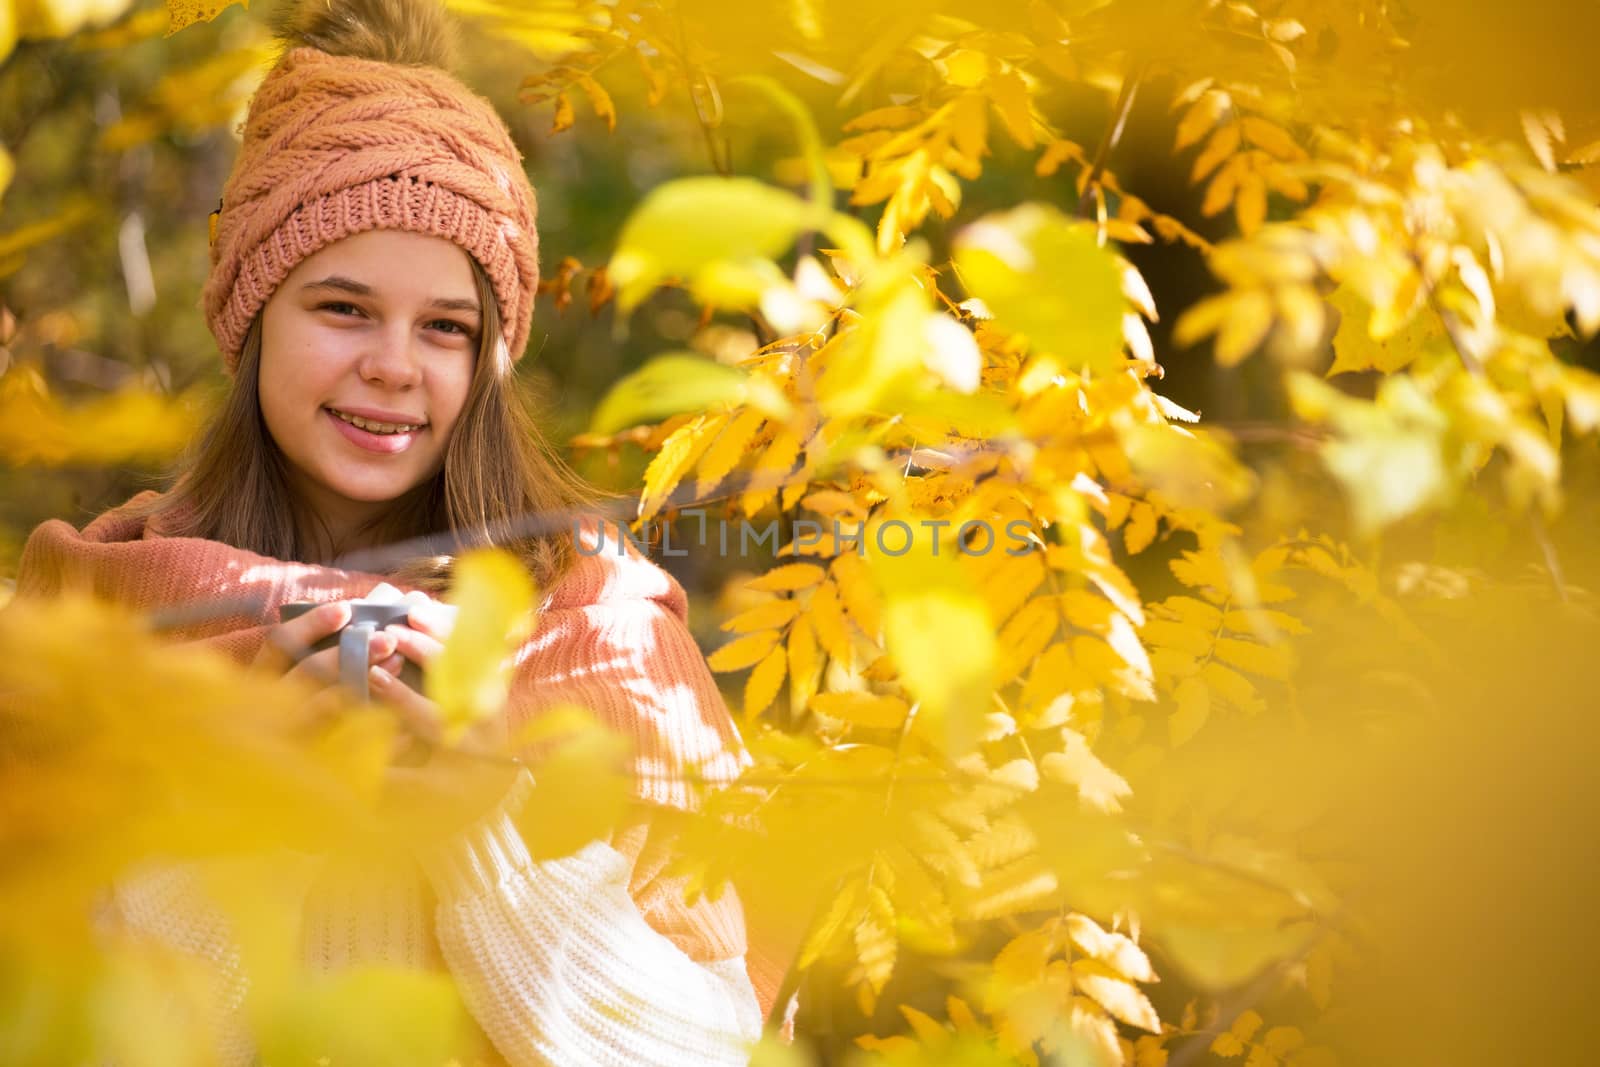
[[336, 145]]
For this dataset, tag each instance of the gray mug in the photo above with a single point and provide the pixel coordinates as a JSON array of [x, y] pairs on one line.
[[366, 618]]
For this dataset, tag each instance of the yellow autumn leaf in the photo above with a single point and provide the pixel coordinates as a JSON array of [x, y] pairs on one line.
[[844, 912], [788, 577], [1249, 319], [1271, 137], [1250, 202], [1009, 94], [762, 686], [679, 452], [1231, 686], [1025, 635], [425, 1020], [600, 100], [470, 677], [876, 947], [727, 450], [1269, 661], [1006, 582], [936, 629], [1223, 144], [1358, 346], [805, 665], [564, 116], [1099, 787], [1220, 192], [183, 13], [1227, 1045], [583, 781], [858, 593], [1184, 637], [1202, 115], [1052, 675], [771, 471], [1282, 1040], [927, 1029], [768, 616], [744, 651], [879, 712], [1140, 529], [1090, 1037], [130, 425], [1246, 1025], [1120, 997], [827, 618], [1116, 951], [1194, 707]]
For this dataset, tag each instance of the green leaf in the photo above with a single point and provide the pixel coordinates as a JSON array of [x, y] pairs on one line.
[[667, 385], [1042, 274], [1389, 454], [685, 226]]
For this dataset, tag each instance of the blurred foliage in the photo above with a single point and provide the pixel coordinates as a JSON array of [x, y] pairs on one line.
[[1267, 741]]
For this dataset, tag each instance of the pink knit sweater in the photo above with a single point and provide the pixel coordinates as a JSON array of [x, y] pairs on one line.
[[594, 958]]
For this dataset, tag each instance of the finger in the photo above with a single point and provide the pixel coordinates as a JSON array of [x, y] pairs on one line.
[[381, 646], [418, 647], [433, 618], [323, 667], [417, 714], [322, 707], [488, 736], [319, 668], [288, 641]]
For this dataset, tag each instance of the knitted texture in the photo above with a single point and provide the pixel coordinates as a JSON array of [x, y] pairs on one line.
[[610, 637], [335, 146], [568, 928]]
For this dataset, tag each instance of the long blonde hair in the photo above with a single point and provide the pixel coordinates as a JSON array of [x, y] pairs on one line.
[[500, 480]]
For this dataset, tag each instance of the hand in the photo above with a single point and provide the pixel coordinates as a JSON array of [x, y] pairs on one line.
[[429, 626], [282, 653]]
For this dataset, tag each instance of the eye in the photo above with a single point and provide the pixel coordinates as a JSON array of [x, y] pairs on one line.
[[451, 326], [339, 307]]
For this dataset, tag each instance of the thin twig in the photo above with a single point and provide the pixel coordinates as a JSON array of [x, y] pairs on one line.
[[1552, 562], [1108, 142], [720, 160]]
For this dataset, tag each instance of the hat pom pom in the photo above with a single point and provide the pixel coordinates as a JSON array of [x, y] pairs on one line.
[[413, 32]]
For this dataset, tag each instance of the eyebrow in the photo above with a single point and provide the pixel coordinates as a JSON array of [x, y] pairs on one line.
[[342, 284]]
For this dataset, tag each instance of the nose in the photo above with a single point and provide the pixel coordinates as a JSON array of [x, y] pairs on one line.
[[392, 359]]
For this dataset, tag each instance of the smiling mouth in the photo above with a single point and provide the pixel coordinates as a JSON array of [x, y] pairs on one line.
[[373, 426]]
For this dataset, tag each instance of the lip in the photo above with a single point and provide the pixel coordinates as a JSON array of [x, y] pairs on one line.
[[381, 415], [385, 444]]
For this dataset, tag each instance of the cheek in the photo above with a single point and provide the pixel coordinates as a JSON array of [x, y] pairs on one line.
[[449, 394]]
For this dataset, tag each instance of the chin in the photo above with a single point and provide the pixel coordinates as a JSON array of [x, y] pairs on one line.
[[373, 491]]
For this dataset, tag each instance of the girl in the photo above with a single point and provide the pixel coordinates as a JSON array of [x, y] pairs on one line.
[[373, 271]]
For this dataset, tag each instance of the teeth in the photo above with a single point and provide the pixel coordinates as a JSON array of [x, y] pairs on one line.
[[376, 427]]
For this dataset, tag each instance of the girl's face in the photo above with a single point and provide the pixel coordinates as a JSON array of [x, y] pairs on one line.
[[367, 352]]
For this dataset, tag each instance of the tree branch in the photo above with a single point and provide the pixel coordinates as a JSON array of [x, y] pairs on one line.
[[1113, 135]]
